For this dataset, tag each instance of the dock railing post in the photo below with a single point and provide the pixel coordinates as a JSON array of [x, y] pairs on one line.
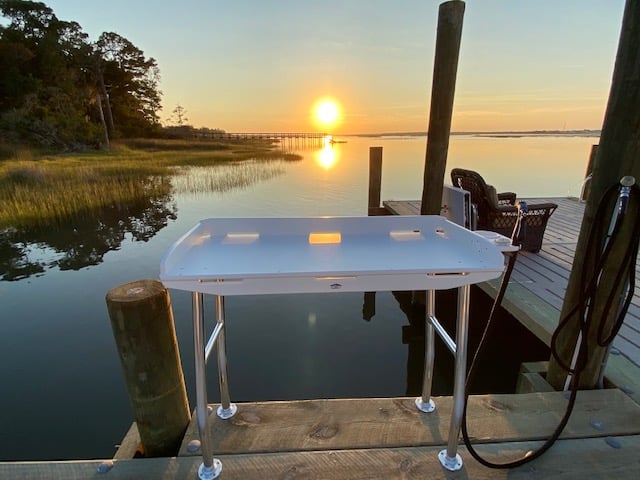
[[143, 328]]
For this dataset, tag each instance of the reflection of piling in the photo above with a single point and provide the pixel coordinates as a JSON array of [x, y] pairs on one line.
[[369, 306], [142, 323], [295, 143]]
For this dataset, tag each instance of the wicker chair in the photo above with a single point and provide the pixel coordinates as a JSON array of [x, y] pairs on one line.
[[498, 212]]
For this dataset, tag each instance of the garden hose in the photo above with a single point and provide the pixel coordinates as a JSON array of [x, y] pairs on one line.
[[596, 256]]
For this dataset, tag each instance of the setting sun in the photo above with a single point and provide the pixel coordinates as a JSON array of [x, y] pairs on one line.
[[327, 112]]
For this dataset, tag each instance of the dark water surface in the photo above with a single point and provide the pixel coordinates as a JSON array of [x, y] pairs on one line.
[[63, 394]]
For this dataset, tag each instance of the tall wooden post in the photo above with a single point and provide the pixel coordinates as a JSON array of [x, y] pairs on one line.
[[617, 155], [375, 180], [445, 69], [142, 323]]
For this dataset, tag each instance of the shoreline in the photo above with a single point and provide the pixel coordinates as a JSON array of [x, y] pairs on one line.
[[494, 134]]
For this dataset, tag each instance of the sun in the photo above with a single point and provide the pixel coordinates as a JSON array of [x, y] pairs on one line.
[[327, 112]]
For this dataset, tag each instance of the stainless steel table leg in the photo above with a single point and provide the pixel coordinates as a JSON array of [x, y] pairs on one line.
[[449, 458], [424, 403], [226, 409], [211, 467]]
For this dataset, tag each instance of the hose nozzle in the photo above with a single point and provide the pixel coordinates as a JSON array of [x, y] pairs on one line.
[[626, 183]]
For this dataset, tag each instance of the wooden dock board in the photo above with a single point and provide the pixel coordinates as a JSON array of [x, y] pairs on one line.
[[539, 282], [396, 422], [388, 438], [568, 459]]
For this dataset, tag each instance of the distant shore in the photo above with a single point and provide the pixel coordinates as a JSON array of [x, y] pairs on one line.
[[505, 134]]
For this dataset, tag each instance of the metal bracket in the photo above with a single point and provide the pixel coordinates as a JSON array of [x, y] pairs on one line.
[[450, 463], [209, 473]]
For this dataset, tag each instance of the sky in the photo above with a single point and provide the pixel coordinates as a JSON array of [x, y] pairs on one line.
[[262, 65]]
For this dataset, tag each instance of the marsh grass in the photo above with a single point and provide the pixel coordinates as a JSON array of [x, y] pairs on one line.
[[46, 190], [230, 176]]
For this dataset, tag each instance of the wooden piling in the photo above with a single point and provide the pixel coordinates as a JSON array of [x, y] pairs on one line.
[[618, 155], [445, 69], [142, 323], [375, 181]]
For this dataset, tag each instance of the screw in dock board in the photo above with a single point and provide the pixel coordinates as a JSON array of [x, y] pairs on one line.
[[193, 446], [105, 466]]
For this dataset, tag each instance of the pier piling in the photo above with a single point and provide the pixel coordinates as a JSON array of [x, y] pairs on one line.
[[445, 69], [617, 155], [375, 181], [143, 328]]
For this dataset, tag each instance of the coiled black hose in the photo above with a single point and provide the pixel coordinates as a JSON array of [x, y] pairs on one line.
[[596, 260]]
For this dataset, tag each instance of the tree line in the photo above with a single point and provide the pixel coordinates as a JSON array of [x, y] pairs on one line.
[[61, 90]]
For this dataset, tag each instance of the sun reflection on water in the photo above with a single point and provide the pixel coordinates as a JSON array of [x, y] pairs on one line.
[[327, 157]]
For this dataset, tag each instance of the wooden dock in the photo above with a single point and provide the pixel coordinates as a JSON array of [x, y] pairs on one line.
[[539, 281], [388, 438]]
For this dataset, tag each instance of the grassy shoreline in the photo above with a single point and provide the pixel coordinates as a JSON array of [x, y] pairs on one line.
[[44, 189]]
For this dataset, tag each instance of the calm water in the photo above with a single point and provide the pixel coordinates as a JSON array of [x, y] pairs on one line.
[[63, 394]]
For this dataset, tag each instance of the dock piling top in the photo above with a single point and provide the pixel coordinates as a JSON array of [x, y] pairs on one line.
[[143, 328]]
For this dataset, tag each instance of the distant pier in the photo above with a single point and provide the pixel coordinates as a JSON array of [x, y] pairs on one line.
[[288, 140], [267, 135]]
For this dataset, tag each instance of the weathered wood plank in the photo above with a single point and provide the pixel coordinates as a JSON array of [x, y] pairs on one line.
[[622, 373], [402, 207], [131, 445], [395, 422], [567, 459], [532, 382], [540, 317]]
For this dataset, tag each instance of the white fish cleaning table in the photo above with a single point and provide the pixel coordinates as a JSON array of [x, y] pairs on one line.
[[251, 256]]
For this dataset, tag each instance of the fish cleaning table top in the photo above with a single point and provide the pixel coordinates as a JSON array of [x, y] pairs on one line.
[[251, 256], [242, 256]]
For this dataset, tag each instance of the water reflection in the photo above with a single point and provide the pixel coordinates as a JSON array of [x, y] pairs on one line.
[[334, 352], [327, 156], [81, 242]]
